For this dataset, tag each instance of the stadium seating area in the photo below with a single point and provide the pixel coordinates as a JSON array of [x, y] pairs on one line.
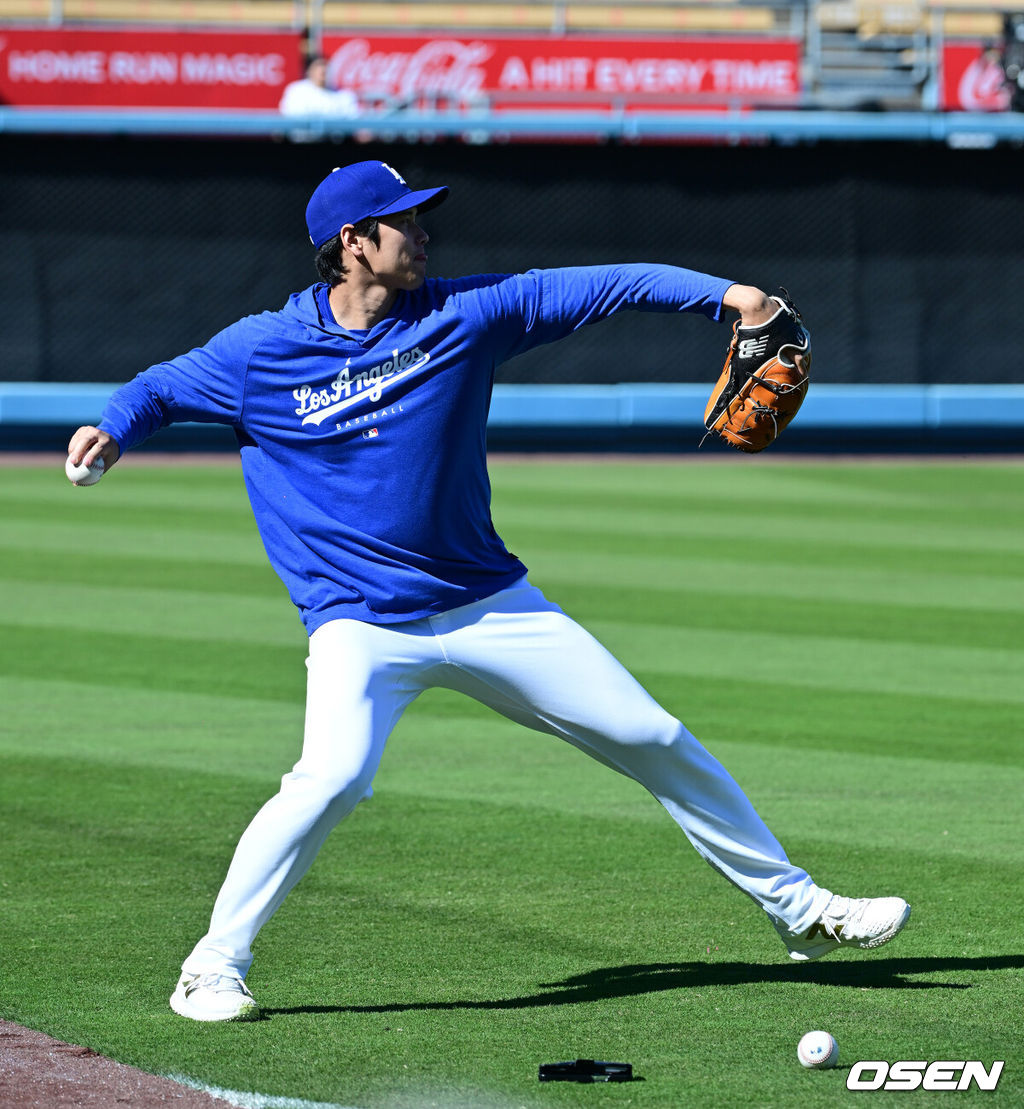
[[867, 18], [532, 15], [858, 53]]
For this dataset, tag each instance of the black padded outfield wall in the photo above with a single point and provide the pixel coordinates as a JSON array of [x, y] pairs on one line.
[[907, 260]]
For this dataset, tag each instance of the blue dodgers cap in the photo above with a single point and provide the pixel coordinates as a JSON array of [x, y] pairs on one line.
[[352, 193]]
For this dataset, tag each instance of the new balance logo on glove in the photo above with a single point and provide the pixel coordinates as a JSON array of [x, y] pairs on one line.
[[753, 348]]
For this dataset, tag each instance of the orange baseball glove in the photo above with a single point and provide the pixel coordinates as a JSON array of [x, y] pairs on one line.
[[764, 380]]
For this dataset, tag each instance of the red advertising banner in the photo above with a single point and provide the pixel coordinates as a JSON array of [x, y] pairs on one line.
[[45, 67], [146, 69], [972, 79], [248, 69], [543, 71]]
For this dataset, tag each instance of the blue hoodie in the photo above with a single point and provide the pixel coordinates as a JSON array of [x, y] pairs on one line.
[[364, 453]]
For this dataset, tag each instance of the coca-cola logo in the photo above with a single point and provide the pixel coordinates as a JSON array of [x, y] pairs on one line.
[[982, 86], [440, 67]]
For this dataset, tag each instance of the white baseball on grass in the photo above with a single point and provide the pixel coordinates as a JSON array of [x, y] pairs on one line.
[[82, 474], [817, 1050]]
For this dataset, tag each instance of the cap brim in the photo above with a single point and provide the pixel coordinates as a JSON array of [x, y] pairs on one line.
[[423, 200]]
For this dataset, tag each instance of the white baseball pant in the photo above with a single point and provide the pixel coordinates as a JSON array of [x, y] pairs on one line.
[[521, 655]]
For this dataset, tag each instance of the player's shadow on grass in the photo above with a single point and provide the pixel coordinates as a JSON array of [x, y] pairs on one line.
[[642, 978]]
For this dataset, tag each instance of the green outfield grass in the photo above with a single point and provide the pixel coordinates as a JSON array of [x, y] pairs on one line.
[[846, 637]]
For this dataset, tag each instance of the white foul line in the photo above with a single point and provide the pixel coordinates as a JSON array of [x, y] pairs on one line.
[[246, 1100]]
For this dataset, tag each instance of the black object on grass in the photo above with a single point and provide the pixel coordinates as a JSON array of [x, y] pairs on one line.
[[586, 1070]]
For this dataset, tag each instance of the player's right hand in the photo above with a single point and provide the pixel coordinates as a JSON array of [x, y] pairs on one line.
[[89, 443]]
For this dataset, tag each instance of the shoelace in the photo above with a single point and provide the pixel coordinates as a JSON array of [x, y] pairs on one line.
[[218, 983], [841, 912]]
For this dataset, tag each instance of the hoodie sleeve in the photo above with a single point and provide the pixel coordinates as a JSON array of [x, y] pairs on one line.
[[541, 306], [205, 385]]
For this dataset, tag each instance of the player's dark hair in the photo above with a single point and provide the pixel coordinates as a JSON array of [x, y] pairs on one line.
[[330, 263]]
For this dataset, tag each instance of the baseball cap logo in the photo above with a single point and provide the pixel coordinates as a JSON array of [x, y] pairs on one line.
[[391, 169]]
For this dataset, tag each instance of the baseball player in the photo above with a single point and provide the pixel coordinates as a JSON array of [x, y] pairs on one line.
[[360, 410]]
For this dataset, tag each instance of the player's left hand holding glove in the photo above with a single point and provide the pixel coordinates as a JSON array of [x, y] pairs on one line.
[[764, 380]]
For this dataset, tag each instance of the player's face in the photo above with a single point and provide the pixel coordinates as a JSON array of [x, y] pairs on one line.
[[400, 260]]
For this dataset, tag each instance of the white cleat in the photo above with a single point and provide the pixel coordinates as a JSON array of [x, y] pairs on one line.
[[863, 922], [214, 997]]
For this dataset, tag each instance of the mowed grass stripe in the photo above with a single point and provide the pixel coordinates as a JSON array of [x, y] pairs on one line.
[[818, 660], [191, 731], [815, 720], [797, 579], [231, 516], [848, 619], [536, 767], [188, 730], [123, 537], [249, 669], [132, 485], [778, 715], [772, 522], [182, 613], [914, 823], [75, 808], [776, 569], [764, 555], [413, 866], [729, 480], [171, 613], [815, 502], [154, 661], [182, 730], [989, 492], [196, 575]]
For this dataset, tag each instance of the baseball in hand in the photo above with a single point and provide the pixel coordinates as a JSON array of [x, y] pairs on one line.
[[84, 475], [817, 1050]]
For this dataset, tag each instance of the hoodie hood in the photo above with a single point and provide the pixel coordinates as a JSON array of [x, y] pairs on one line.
[[312, 308]]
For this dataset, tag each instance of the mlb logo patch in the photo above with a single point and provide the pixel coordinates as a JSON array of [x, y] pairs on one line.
[[371, 433]]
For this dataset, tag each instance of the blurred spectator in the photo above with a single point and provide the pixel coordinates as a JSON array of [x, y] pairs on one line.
[[310, 96], [1013, 59]]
